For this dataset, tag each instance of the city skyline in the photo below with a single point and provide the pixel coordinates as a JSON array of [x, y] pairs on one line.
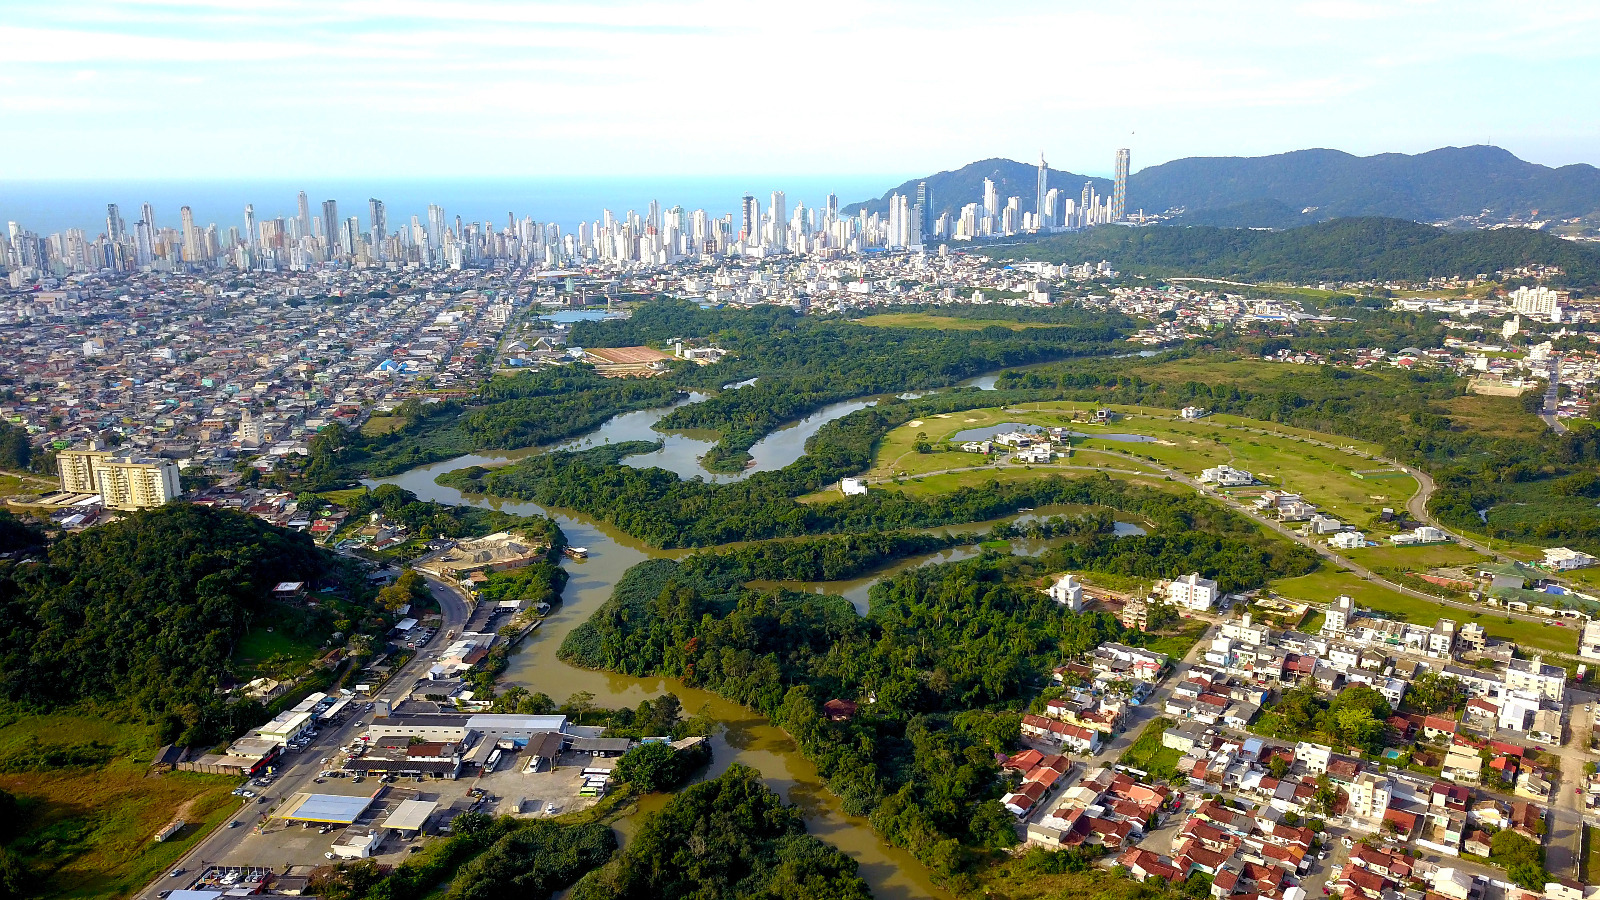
[[202, 88]]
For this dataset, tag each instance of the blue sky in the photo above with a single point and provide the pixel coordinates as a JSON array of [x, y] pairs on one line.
[[408, 88]]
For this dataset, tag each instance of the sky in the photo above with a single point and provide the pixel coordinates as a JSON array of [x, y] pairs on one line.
[[221, 89]]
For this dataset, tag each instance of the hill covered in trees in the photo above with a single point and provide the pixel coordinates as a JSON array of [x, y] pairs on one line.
[[1340, 250], [1285, 190], [144, 614]]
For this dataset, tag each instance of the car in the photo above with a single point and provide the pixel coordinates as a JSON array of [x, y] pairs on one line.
[[235, 823], [328, 855], [176, 872], [247, 794], [163, 894], [319, 781], [550, 809], [263, 799]]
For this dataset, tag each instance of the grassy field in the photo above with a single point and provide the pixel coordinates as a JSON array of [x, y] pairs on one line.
[[1591, 855], [1324, 475], [87, 831], [1326, 583], [1497, 416], [1417, 558], [343, 496], [934, 485], [1149, 754], [944, 323], [22, 484], [377, 425]]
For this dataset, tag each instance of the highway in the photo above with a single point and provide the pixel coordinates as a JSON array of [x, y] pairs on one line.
[[297, 771]]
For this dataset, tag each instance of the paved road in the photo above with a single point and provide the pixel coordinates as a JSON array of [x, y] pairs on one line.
[[296, 771], [1552, 395]]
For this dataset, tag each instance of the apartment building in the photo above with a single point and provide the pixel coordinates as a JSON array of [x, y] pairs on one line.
[[123, 482]]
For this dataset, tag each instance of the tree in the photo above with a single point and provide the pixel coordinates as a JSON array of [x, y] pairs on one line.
[[1433, 692], [1278, 767], [650, 767], [993, 826]]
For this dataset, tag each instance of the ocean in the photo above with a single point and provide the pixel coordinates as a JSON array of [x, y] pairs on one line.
[[50, 206]]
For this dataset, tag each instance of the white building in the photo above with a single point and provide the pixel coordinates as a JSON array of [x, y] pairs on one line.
[[853, 487], [1340, 612], [1539, 302], [1194, 412], [1369, 797], [1348, 540], [1321, 524], [1227, 476], [1589, 643], [1068, 592], [1192, 592], [1442, 640], [1534, 676], [1517, 709], [1563, 558], [354, 844]]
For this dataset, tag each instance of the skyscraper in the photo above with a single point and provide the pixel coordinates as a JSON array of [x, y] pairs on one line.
[[305, 214], [113, 223], [925, 203], [149, 216], [330, 226], [436, 225], [191, 237], [1119, 192], [1044, 186], [1086, 201], [780, 220], [749, 218], [991, 197], [249, 225], [380, 221]]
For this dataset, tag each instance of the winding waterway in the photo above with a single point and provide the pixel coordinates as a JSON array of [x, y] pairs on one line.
[[745, 737]]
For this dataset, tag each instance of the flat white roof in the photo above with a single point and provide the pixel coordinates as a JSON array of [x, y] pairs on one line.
[[410, 815], [507, 722], [335, 809]]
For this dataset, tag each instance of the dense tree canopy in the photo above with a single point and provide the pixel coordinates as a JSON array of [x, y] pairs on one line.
[[145, 611], [730, 838]]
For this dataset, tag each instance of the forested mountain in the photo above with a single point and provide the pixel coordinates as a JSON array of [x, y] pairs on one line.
[[1315, 185], [1301, 187], [958, 187], [1341, 250]]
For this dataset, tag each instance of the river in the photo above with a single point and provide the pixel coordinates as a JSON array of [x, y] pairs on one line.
[[746, 737]]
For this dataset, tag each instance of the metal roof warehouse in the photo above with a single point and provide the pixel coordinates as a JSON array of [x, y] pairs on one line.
[[329, 809]]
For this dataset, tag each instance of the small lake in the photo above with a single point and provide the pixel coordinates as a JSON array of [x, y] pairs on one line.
[[989, 431], [1113, 436]]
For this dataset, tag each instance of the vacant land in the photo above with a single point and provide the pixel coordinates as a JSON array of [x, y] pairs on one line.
[[1326, 583], [944, 323], [1495, 416], [1149, 754], [87, 830], [1417, 558], [377, 425], [17, 484]]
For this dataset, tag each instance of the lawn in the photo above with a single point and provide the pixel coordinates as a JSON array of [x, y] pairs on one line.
[[1591, 855], [1324, 475], [272, 647], [1417, 557], [935, 485], [1326, 583], [87, 831], [944, 323], [1148, 753]]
